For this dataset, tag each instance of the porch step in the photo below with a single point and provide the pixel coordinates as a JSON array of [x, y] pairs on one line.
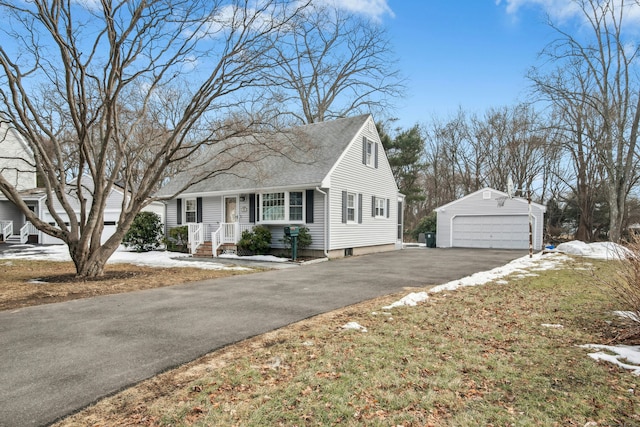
[[14, 239], [205, 250]]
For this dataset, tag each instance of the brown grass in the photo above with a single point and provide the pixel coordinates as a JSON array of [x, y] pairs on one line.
[[25, 283], [477, 356]]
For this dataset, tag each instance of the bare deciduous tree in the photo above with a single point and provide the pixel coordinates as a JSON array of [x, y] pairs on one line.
[[123, 92], [596, 85], [332, 63]]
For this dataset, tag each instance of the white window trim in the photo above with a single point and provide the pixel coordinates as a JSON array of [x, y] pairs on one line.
[[355, 208], [195, 210], [371, 154], [287, 208], [381, 207]]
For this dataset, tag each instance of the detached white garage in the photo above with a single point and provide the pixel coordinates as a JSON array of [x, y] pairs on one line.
[[488, 218]]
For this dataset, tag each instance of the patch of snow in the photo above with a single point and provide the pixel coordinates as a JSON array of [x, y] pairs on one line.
[[628, 315], [163, 259], [597, 250], [410, 300], [521, 265], [265, 258], [620, 352], [355, 326], [551, 325]]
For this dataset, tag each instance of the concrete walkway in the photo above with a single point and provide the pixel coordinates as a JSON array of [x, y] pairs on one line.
[[58, 358]]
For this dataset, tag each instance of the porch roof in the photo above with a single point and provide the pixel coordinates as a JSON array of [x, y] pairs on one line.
[[302, 157]]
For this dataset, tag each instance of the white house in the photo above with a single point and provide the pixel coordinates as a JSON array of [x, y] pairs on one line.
[[343, 191], [488, 218], [17, 165]]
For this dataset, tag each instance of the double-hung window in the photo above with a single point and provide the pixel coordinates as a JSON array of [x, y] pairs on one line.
[[285, 206], [369, 152], [351, 207], [380, 207], [190, 210], [295, 206]]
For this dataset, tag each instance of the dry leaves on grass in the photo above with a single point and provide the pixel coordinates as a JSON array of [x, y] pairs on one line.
[[25, 283]]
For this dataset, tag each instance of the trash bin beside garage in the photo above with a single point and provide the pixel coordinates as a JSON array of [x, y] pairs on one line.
[[430, 240]]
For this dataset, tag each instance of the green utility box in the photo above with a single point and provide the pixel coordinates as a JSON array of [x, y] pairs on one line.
[[292, 231], [430, 239]]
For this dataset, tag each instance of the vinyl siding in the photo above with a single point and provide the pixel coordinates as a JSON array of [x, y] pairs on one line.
[[316, 229], [485, 212], [351, 175], [16, 161], [9, 212]]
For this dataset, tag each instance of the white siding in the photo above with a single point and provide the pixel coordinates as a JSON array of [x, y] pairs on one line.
[[172, 214], [478, 221], [316, 229], [158, 208], [351, 175], [16, 160]]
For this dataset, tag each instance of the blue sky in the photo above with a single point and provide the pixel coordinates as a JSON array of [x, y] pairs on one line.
[[472, 54]]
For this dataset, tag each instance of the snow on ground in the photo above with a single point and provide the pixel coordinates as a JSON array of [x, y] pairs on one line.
[[627, 357], [122, 255], [524, 265], [620, 353], [599, 250]]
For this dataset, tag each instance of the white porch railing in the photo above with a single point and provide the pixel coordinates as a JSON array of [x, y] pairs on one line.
[[26, 230], [196, 236], [7, 229], [228, 232]]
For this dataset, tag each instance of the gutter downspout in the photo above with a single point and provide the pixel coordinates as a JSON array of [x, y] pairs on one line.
[[326, 222]]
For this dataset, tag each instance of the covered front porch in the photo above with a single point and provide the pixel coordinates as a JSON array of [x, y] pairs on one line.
[[27, 233], [208, 239]]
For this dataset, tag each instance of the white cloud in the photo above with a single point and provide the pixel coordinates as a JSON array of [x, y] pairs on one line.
[[557, 9], [374, 9], [563, 10]]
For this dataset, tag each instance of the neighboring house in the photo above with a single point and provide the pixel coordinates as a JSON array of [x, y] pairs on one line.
[[17, 165], [488, 218], [343, 191]]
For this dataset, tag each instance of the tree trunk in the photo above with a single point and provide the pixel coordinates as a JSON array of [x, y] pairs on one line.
[[616, 215], [90, 263]]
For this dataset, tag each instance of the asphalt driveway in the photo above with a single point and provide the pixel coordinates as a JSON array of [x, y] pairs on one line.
[[58, 358]]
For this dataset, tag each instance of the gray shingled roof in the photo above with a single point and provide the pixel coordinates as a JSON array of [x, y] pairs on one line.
[[311, 151]]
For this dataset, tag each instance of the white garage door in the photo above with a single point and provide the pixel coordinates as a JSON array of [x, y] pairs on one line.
[[109, 229], [491, 231]]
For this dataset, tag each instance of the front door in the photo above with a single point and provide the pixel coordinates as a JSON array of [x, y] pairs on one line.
[[230, 210]]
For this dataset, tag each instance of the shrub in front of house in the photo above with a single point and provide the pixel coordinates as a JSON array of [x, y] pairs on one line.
[[145, 233], [178, 239], [304, 240], [255, 242]]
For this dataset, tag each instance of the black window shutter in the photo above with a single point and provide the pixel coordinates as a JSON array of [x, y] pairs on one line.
[[309, 206], [199, 209], [344, 207], [179, 210], [364, 150], [252, 208], [359, 208], [375, 146], [388, 207], [257, 208], [373, 205]]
